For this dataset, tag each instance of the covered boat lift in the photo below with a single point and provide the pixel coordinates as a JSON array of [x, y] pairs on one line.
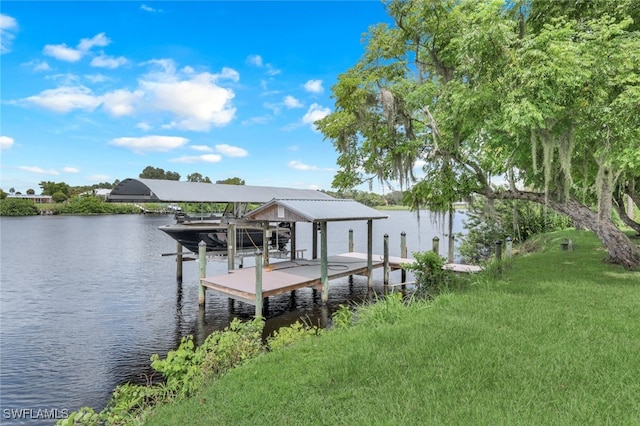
[[299, 273], [172, 191]]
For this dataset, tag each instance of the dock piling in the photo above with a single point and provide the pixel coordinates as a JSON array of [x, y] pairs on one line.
[[436, 245], [369, 253], [403, 254], [386, 260], [202, 259], [498, 249], [179, 262], [324, 276], [231, 246], [351, 241], [258, 284]]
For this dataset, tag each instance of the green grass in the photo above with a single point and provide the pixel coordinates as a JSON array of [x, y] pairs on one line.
[[555, 340]]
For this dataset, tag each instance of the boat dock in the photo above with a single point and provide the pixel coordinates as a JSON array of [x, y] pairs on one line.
[[282, 277]]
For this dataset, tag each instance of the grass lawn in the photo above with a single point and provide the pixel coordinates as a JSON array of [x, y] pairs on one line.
[[554, 341]]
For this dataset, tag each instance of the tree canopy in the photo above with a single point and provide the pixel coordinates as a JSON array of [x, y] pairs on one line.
[[544, 94], [150, 172]]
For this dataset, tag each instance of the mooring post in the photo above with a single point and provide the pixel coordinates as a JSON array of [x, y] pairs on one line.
[[314, 240], [231, 246], [258, 284], [499, 249], [370, 253], [508, 247], [436, 245], [202, 259], [179, 263], [451, 246], [292, 230], [324, 275], [403, 254], [350, 240], [385, 261], [265, 248]]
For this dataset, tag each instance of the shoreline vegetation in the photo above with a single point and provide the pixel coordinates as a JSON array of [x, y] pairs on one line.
[[546, 337]]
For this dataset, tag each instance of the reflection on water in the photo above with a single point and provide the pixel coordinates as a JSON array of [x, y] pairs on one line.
[[85, 301]]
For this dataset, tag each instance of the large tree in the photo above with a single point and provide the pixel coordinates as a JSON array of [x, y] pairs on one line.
[[150, 172], [545, 96]]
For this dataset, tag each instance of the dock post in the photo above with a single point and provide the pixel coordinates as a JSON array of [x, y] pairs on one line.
[[508, 246], [451, 245], [403, 254], [386, 260], [231, 246], [350, 240], [292, 230], [436, 245], [202, 258], [370, 253], [258, 284], [179, 263], [324, 276], [265, 244], [498, 249], [314, 240]]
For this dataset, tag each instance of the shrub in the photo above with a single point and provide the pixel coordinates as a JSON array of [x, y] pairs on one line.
[[17, 207], [431, 279], [287, 336]]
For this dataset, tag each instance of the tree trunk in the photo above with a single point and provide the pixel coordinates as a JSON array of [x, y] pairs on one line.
[[621, 249], [624, 216]]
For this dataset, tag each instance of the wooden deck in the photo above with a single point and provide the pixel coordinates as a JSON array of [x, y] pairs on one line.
[[282, 277]]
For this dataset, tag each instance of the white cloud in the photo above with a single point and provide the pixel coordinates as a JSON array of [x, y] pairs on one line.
[[37, 65], [255, 60], [64, 99], [62, 52], [144, 126], [297, 165], [99, 178], [204, 158], [264, 119], [100, 40], [291, 102], [201, 148], [70, 54], [315, 113], [6, 142], [314, 86], [231, 151], [71, 170], [149, 8], [38, 170], [150, 143], [121, 102], [271, 70], [197, 102], [97, 78], [7, 25], [104, 61]]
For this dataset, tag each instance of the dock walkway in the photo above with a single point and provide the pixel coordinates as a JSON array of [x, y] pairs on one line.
[[282, 277]]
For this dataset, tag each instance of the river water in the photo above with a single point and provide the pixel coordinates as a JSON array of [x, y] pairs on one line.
[[86, 300]]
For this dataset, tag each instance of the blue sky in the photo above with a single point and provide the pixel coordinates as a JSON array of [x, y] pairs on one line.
[[96, 91]]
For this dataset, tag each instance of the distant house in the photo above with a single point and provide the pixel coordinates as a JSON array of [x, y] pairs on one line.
[[100, 192], [38, 199]]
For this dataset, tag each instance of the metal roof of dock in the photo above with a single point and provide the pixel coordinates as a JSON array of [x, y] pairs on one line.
[[314, 210], [172, 191]]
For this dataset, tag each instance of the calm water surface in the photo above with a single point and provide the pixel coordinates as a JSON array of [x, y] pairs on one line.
[[85, 301]]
